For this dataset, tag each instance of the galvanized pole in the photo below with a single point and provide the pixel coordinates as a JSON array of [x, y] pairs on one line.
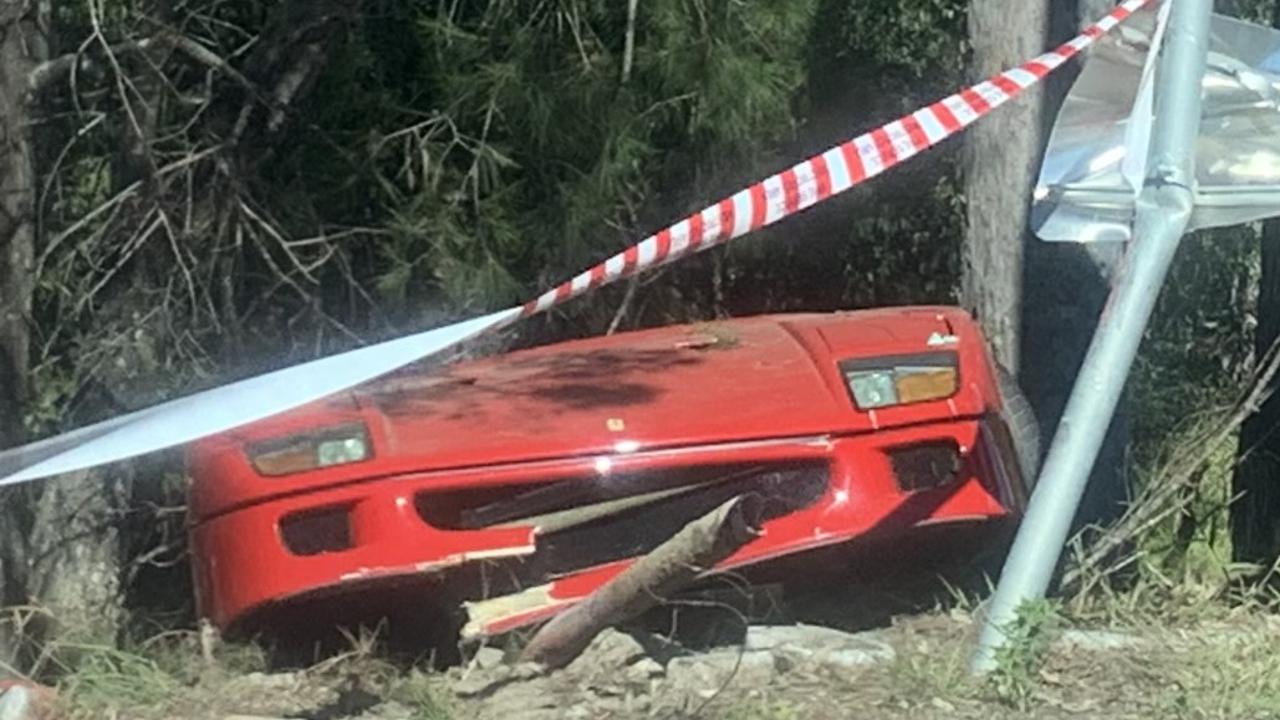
[[1163, 210]]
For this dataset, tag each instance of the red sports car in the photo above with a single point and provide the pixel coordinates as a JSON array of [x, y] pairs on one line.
[[518, 484]]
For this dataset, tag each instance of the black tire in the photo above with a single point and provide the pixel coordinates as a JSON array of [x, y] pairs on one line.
[[1024, 429]]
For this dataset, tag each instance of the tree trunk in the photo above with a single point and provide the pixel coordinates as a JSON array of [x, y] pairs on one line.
[[22, 47], [74, 569], [1001, 156], [1255, 516], [1065, 288]]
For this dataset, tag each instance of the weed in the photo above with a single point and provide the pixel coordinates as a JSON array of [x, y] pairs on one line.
[[932, 670], [1019, 659], [423, 693]]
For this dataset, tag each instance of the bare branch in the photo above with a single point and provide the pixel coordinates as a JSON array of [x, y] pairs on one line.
[[53, 70], [629, 43], [1161, 499], [632, 285]]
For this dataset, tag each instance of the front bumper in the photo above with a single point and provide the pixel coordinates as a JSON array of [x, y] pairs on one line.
[[242, 563]]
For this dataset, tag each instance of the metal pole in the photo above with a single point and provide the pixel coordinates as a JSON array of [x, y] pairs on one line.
[[1163, 210]]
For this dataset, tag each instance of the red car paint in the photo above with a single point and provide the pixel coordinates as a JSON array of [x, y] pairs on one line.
[[762, 393]]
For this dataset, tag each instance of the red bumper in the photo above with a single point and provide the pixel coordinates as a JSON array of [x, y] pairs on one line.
[[242, 564]]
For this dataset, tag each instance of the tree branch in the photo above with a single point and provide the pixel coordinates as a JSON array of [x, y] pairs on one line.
[[667, 569], [51, 71], [629, 41]]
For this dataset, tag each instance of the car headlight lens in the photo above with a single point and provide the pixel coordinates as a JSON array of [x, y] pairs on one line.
[[902, 380], [312, 450]]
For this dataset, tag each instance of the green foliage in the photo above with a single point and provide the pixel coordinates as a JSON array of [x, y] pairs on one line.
[[534, 153], [1020, 658], [1198, 349], [1196, 362], [426, 694], [454, 157], [916, 36]]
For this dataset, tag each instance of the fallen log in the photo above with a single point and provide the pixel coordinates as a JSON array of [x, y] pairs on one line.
[[671, 566]]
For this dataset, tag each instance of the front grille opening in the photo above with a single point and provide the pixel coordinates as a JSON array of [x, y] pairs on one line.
[[314, 532], [611, 530], [926, 465], [548, 503], [784, 489], [456, 509]]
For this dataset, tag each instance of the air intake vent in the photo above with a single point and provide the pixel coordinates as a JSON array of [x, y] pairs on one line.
[[317, 531], [925, 466]]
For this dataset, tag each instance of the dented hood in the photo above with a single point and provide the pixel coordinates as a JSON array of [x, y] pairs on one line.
[[754, 378]]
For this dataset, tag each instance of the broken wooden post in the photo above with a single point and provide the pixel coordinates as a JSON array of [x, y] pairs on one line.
[[668, 568]]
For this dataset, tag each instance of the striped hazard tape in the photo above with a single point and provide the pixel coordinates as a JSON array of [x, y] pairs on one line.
[[822, 176], [795, 189]]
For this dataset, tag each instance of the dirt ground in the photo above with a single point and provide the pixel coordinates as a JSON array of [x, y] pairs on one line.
[[1226, 667]]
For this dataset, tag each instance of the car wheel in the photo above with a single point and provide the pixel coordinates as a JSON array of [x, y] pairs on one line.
[[1024, 430]]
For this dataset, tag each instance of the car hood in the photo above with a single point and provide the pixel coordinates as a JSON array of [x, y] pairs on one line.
[[764, 377]]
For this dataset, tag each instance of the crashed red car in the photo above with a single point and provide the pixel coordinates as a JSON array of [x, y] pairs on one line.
[[557, 466]]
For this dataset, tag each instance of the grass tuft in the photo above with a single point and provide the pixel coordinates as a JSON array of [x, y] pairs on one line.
[[1019, 660]]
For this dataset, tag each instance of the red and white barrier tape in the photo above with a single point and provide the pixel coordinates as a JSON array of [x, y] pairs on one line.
[[828, 174]]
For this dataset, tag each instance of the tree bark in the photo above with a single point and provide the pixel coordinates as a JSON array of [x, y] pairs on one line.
[[1255, 516], [669, 568], [1000, 158], [74, 569], [22, 47], [1065, 288]]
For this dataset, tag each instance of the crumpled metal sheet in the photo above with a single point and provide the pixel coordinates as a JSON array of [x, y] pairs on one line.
[[1096, 158]]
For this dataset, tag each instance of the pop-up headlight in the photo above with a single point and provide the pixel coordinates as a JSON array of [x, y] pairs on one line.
[[312, 450], [901, 379]]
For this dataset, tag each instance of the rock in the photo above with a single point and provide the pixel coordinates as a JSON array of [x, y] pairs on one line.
[[644, 669], [269, 681], [480, 682], [488, 657], [527, 671], [610, 649], [531, 700], [705, 673], [1096, 640], [283, 695], [15, 704], [943, 705], [615, 658], [805, 644], [691, 679]]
